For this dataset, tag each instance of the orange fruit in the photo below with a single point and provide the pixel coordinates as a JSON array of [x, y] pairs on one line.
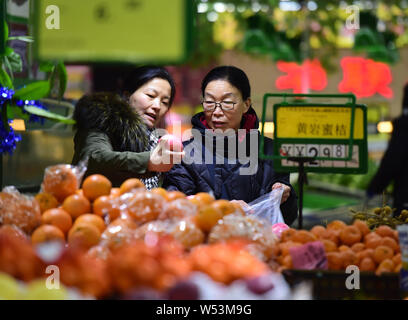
[[179, 208], [187, 233], [173, 195], [129, 184], [333, 235], [76, 205], [207, 217], [350, 235], [60, 181], [288, 234], [397, 259], [367, 253], [224, 206], [94, 219], [47, 233], [201, 199], [336, 225], [115, 192], [80, 192], [84, 235], [145, 206], [367, 264], [334, 260], [362, 226], [387, 265], [96, 185], [349, 257], [343, 248], [398, 267], [284, 247], [329, 246], [59, 218], [383, 252], [357, 247], [46, 201], [304, 236], [159, 191], [390, 242], [385, 231], [318, 231], [287, 261], [395, 235], [103, 206], [20, 211], [372, 240], [13, 231], [238, 208]]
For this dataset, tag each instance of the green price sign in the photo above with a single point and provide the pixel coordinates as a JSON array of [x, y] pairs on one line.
[[332, 136], [135, 31]]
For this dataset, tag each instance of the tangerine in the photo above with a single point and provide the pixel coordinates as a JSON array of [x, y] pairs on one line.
[[201, 199], [46, 201], [383, 252], [160, 191], [358, 247], [333, 235], [349, 257], [329, 246], [59, 218], [76, 205], [397, 259], [362, 226], [207, 217], [334, 260], [350, 235], [387, 265], [288, 234], [104, 205], [336, 225], [304, 236], [173, 195], [145, 206], [129, 184], [372, 240], [318, 231], [343, 248], [115, 192], [47, 233], [178, 208], [96, 185], [60, 180], [93, 219], [187, 233], [390, 242], [367, 264], [225, 206], [385, 231], [84, 235]]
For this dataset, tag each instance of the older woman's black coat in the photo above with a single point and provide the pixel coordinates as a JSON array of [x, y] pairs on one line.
[[224, 180]]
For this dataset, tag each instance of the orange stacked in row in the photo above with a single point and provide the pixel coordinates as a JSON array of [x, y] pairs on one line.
[[346, 245]]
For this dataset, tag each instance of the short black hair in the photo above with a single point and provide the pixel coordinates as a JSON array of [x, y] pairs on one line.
[[139, 76], [233, 75]]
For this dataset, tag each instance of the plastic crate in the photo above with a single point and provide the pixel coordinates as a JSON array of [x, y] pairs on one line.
[[329, 285]]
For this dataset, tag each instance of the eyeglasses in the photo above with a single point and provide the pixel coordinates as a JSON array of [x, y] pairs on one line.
[[224, 105]]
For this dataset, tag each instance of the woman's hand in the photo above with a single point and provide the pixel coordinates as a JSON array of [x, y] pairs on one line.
[[162, 158], [286, 190]]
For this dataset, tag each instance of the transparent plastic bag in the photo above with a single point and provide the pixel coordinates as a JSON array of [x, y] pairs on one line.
[[267, 207], [62, 180]]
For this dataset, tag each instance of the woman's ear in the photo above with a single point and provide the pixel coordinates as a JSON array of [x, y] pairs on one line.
[[247, 103]]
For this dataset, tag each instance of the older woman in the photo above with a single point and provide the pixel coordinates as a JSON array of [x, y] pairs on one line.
[[116, 134], [227, 107]]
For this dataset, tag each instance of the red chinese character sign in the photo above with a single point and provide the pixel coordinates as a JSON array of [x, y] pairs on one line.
[[310, 75], [365, 77]]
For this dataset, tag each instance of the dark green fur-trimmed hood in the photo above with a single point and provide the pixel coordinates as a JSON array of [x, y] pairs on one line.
[[111, 114]]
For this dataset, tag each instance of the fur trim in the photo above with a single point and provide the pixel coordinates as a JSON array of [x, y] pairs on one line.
[[109, 113]]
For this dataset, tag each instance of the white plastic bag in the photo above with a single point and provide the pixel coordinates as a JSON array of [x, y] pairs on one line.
[[267, 207]]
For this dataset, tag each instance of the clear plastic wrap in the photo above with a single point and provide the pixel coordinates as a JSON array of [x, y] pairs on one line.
[[19, 210], [62, 180], [267, 207], [249, 227]]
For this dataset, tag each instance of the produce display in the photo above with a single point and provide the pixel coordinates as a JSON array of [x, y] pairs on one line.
[[382, 216], [131, 243]]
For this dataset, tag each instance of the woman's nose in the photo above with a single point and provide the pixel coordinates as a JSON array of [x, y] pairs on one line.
[[156, 104], [218, 111]]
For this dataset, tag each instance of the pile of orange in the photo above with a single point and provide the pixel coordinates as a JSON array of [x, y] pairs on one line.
[[377, 251]]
